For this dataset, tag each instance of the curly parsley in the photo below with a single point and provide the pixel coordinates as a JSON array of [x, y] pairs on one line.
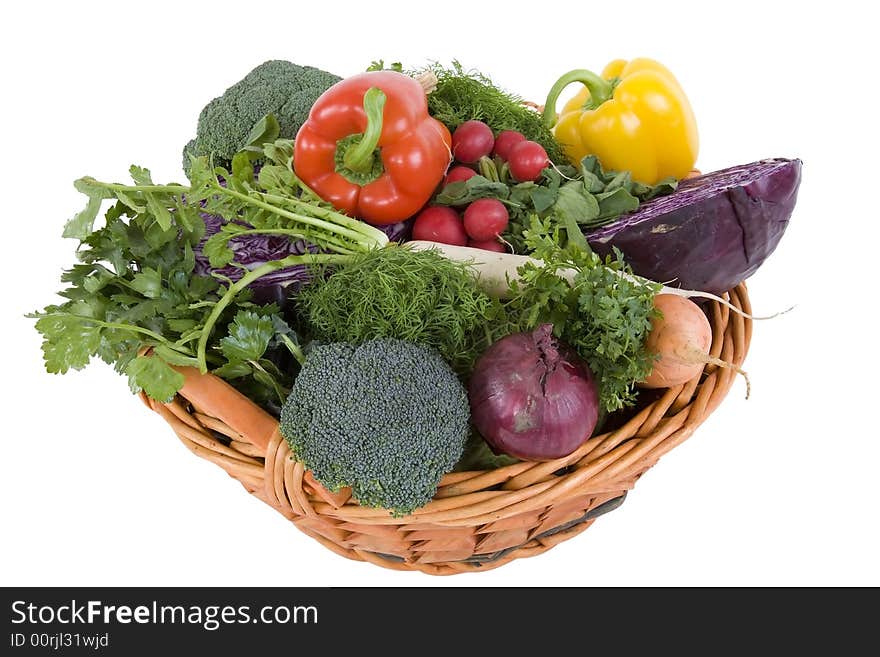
[[604, 315]]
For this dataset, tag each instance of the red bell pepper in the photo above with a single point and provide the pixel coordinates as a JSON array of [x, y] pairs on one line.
[[371, 149]]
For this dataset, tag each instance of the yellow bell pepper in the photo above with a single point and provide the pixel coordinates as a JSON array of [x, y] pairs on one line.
[[635, 117]]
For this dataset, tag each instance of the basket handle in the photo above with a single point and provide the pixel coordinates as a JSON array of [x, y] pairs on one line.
[[214, 397]]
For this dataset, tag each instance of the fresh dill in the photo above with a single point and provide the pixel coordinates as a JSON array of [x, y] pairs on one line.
[[419, 296], [463, 94]]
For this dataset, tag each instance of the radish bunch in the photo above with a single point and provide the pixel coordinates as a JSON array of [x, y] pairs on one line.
[[481, 223]]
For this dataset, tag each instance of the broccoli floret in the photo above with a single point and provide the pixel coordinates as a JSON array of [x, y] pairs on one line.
[[276, 87], [387, 417]]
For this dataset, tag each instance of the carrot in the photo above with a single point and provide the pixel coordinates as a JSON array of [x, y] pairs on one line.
[[216, 398], [681, 337]]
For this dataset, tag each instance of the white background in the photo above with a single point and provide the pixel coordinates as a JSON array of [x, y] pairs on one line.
[[780, 489]]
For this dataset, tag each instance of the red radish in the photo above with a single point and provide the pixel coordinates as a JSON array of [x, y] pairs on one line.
[[471, 141], [504, 141], [485, 219], [439, 223], [459, 174], [681, 337], [527, 160], [488, 245]]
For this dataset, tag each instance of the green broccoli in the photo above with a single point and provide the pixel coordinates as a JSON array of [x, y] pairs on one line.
[[276, 87], [387, 417]]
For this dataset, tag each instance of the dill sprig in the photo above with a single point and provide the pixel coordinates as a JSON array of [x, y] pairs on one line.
[[465, 94], [419, 296]]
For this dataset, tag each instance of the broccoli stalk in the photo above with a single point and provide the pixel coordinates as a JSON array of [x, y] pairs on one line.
[[387, 417]]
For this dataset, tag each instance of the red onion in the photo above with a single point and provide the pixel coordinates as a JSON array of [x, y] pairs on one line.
[[532, 397]]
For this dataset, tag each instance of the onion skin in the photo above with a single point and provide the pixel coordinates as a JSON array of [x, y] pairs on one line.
[[532, 397], [681, 337]]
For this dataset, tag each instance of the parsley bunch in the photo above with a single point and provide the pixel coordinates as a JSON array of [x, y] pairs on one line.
[[135, 301], [603, 311]]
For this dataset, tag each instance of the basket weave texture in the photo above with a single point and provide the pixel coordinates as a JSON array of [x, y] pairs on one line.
[[478, 520]]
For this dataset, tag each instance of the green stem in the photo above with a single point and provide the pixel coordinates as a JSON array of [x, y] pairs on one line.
[[359, 157], [294, 349], [339, 245], [275, 387], [324, 219], [132, 328], [293, 216], [116, 187], [246, 280], [365, 229], [600, 91], [488, 169]]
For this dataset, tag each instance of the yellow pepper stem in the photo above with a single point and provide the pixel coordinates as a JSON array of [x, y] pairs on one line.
[[600, 91]]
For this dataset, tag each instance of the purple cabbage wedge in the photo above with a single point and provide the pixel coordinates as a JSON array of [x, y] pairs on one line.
[[713, 232]]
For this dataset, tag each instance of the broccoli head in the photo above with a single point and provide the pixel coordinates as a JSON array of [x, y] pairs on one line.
[[387, 417], [276, 87]]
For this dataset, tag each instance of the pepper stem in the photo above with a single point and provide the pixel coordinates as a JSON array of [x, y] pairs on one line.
[[600, 91], [359, 156]]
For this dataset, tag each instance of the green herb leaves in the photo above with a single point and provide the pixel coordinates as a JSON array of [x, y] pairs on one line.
[[248, 338], [69, 342], [136, 300], [155, 377], [603, 312], [134, 289], [616, 192], [419, 296], [141, 197], [81, 224], [462, 95], [575, 200], [253, 333], [271, 204]]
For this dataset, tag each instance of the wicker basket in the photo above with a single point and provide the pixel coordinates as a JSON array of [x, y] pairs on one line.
[[477, 520]]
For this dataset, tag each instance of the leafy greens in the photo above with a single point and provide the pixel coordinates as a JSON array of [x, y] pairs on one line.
[[576, 200], [604, 313], [136, 301]]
